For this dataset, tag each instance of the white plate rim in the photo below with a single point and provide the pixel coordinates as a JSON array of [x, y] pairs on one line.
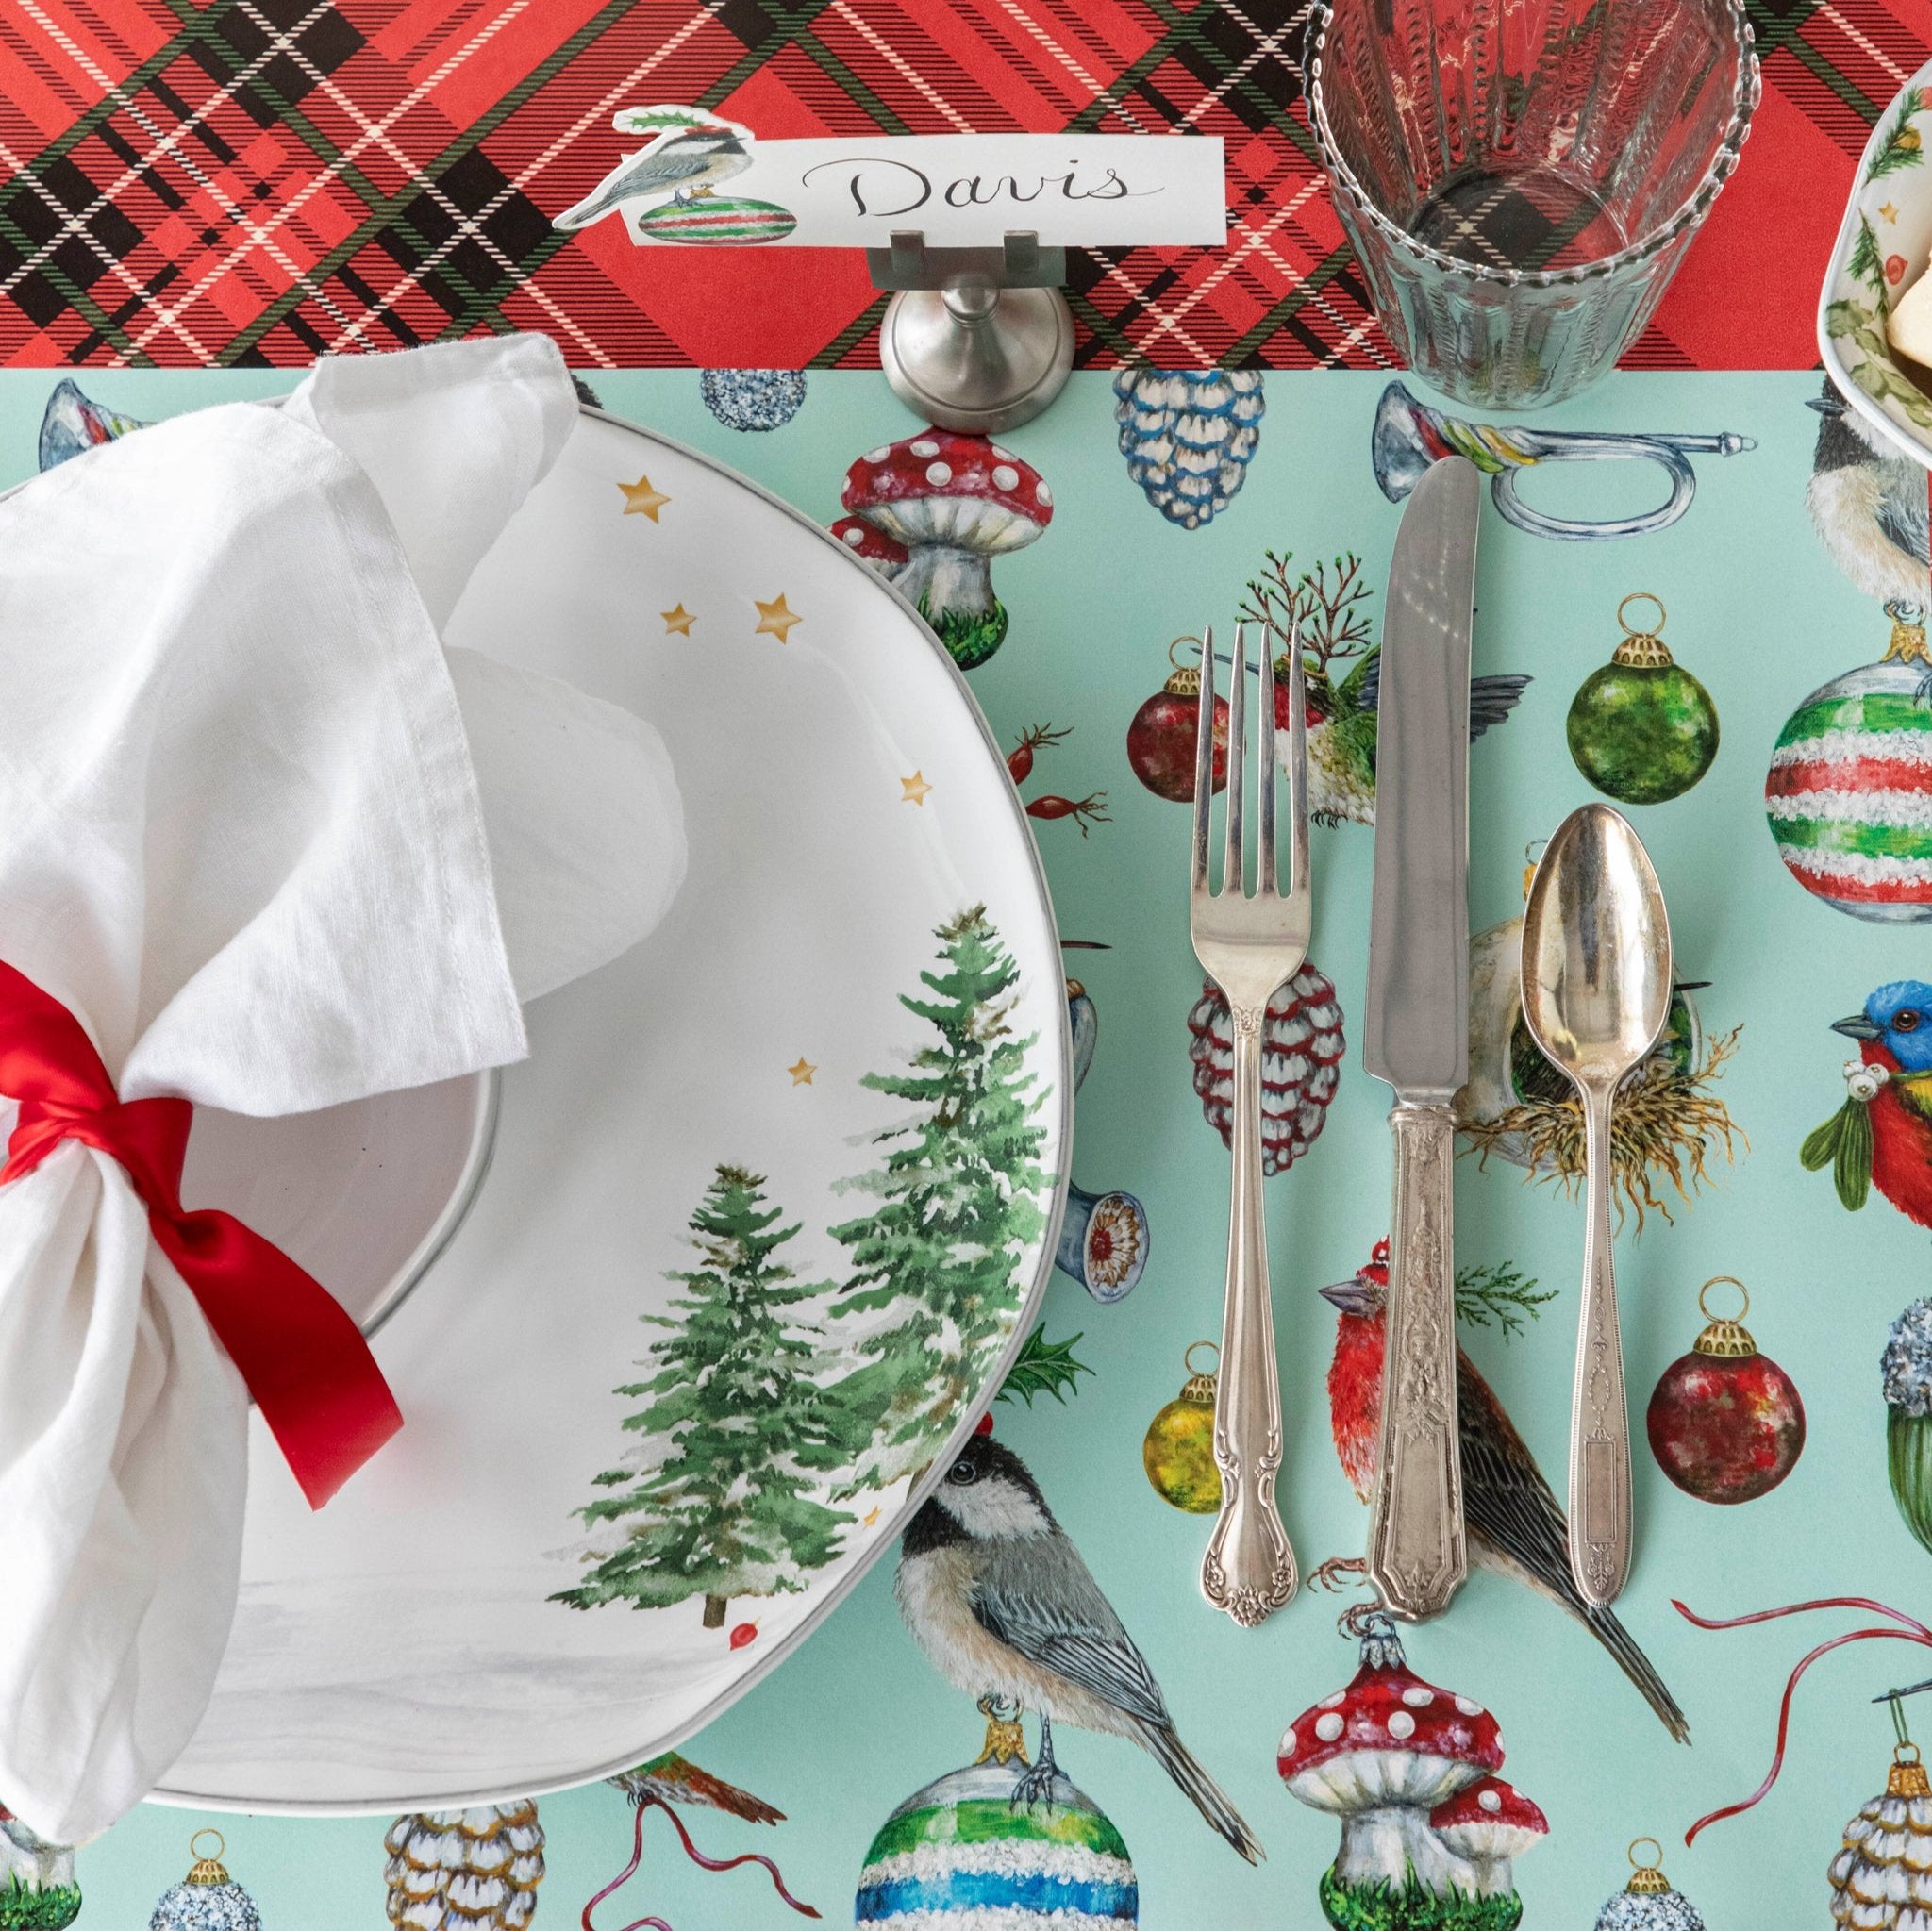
[[1868, 408], [836, 1591]]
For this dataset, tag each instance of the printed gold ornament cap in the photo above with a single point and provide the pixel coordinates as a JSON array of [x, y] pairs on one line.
[[1198, 1388], [1186, 678], [1644, 649], [1647, 1880], [1726, 1336], [208, 1871], [1907, 1778]]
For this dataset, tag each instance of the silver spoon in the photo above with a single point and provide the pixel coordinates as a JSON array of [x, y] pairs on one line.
[[1596, 991]]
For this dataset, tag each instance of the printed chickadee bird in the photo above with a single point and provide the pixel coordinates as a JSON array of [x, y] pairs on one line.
[[1004, 1608], [689, 161], [1870, 508]]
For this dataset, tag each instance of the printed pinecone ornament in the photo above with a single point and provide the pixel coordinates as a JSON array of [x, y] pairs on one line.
[[207, 1899], [754, 400], [473, 1869], [1188, 436], [1882, 1879], [1907, 1363], [1647, 1903], [37, 1892], [1301, 1065]]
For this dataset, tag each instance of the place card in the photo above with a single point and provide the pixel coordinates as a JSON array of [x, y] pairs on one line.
[[694, 179]]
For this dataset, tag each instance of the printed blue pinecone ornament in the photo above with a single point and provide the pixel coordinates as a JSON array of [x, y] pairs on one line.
[[37, 1887], [753, 399], [207, 1899], [1647, 1903], [1188, 436], [475, 1869]]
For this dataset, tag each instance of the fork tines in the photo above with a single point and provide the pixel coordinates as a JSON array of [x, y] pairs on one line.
[[1233, 867]]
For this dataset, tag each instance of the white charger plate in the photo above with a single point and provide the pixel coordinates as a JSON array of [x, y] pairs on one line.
[[400, 1649]]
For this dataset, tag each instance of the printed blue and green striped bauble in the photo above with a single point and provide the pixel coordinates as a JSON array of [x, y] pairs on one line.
[[1849, 795], [962, 1855]]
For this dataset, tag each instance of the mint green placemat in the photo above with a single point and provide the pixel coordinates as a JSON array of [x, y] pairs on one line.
[[1760, 612]]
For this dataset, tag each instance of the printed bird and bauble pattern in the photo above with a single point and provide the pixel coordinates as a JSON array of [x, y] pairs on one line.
[[1882, 1135]]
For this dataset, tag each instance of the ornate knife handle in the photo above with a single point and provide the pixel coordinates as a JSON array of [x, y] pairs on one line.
[[1249, 1568], [1418, 1555], [1599, 1413]]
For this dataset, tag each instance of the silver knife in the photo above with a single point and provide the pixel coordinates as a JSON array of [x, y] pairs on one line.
[[1416, 1027]]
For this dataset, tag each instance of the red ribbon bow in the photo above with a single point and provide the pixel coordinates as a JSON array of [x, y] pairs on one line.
[[304, 1360]]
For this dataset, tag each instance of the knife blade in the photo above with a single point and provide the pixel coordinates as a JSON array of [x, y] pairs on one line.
[[1416, 1027]]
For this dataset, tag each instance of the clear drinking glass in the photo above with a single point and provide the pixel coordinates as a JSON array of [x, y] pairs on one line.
[[1522, 177]]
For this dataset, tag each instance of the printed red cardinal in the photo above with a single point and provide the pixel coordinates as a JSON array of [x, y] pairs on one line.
[[1515, 1523]]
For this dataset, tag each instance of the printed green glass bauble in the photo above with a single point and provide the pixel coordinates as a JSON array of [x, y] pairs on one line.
[[1177, 1450], [1647, 1903], [1849, 793], [1642, 729], [970, 1850], [37, 1887], [207, 1899]]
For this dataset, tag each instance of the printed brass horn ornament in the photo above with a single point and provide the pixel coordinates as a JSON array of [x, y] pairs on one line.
[[1410, 436]]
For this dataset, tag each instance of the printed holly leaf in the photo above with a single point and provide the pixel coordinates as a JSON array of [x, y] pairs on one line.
[[1043, 1367], [1851, 322], [1902, 146], [1498, 1297]]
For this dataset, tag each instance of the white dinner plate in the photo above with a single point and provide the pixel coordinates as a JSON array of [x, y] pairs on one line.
[[403, 1648]]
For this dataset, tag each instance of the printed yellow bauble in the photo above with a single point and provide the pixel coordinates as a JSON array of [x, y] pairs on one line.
[[1178, 1451]]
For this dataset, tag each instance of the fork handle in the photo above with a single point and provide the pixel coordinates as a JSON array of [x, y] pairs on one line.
[[1249, 1568], [1418, 1555]]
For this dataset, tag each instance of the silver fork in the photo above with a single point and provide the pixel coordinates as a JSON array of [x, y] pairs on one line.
[[1249, 944]]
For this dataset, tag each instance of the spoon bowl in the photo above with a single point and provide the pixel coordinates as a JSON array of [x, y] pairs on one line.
[[1596, 950], [1596, 994]]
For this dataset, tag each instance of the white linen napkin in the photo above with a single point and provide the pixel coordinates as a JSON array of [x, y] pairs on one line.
[[276, 849]]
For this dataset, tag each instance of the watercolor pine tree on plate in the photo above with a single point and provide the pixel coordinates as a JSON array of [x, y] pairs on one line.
[[773, 1397]]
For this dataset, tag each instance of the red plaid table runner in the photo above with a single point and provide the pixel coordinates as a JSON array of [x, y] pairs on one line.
[[191, 182]]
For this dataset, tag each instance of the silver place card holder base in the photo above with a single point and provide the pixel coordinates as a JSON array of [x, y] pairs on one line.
[[976, 340]]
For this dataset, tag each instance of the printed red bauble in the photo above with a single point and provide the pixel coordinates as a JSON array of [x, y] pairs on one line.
[[1725, 1422], [1160, 740]]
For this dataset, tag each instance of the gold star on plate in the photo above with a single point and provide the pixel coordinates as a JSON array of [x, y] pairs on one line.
[[775, 619], [640, 499], [1889, 211], [677, 620], [871, 1515], [802, 1073], [913, 790]]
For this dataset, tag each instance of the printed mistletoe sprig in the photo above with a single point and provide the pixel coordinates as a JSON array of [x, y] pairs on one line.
[[1499, 1296], [1043, 1367], [1845, 1142], [1902, 146]]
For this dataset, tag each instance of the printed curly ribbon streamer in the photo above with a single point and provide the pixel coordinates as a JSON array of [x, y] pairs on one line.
[[1912, 1631], [697, 1858], [303, 1358]]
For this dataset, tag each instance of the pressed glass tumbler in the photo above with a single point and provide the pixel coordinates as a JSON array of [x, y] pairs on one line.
[[1522, 177]]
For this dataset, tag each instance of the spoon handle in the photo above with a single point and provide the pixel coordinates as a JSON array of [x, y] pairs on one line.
[[1599, 1414]]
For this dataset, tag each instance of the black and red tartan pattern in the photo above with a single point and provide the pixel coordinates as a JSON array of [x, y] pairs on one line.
[[196, 182]]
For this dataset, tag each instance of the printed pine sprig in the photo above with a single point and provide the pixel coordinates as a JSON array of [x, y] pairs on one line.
[[1043, 1367], [1903, 147], [1866, 264], [1499, 1297]]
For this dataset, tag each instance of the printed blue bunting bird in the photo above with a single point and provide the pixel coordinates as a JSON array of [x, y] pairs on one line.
[[1894, 1036]]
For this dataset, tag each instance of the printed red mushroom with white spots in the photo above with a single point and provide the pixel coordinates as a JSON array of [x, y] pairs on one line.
[[952, 503], [1391, 1755]]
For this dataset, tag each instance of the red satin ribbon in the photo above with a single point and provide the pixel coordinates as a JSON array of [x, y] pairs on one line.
[[301, 1358]]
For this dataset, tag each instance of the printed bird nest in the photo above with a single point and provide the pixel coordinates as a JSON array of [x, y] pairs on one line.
[[1667, 1127]]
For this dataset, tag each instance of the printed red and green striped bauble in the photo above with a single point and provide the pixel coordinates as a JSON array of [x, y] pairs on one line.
[[708, 218], [964, 1852], [1850, 793]]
